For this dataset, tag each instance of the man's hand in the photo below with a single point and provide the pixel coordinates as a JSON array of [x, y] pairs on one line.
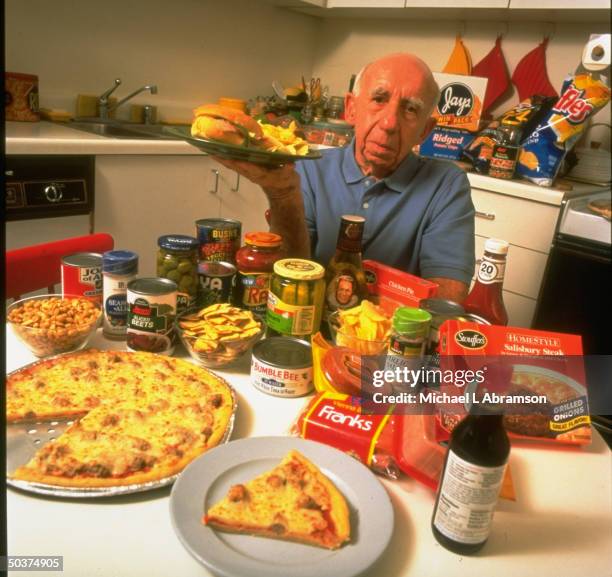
[[282, 187], [450, 289]]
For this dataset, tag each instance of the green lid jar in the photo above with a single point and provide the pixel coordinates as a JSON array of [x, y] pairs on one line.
[[410, 332]]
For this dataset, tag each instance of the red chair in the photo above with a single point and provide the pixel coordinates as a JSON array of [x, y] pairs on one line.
[[38, 267]]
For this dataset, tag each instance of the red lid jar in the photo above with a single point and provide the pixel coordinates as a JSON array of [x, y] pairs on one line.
[[255, 262]]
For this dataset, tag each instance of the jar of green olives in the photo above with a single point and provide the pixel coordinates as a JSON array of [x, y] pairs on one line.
[[177, 260], [295, 298]]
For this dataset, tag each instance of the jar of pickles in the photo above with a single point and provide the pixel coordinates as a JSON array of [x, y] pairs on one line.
[[296, 298], [255, 262], [177, 260]]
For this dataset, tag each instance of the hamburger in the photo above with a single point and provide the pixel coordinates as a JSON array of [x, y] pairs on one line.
[[225, 124]]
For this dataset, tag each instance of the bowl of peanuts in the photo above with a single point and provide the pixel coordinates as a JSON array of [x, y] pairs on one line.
[[53, 324]]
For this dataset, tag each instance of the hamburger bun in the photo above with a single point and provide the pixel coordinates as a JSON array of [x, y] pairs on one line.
[[223, 123]]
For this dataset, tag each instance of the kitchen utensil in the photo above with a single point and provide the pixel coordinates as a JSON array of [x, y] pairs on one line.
[[315, 89], [278, 90]]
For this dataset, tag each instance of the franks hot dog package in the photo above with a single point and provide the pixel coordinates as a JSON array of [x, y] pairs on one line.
[[537, 377]]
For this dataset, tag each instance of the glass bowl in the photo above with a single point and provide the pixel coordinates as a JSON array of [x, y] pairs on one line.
[[53, 324], [343, 338], [215, 353]]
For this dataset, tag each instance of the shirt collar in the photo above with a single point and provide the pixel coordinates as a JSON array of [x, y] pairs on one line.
[[396, 181]]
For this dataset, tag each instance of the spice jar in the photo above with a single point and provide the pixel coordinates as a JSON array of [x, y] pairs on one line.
[[335, 108], [119, 267], [295, 298], [255, 262], [409, 336], [177, 260]]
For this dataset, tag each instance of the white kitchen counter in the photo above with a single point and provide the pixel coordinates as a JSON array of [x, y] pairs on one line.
[[560, 525], [55, 138], [58, 138]]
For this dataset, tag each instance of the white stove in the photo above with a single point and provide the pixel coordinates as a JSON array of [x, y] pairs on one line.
[[579, 221]]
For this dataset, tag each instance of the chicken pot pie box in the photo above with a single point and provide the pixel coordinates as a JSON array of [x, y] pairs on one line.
[[536, 377], [391, 287], [460, 103]]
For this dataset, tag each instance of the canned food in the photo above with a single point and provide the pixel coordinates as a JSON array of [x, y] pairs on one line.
[[440, 310], [296, 298], [82, 275], [282, 366], [177, 260], [151, 313], [219, 239], [215, 282]]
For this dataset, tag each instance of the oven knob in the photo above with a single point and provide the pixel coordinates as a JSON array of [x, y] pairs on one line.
[[53, 193]]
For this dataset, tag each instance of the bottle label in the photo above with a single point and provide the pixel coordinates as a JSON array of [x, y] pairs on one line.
[[491, 271], [342, 292], [289, 319], [253, 291], [468, 495]]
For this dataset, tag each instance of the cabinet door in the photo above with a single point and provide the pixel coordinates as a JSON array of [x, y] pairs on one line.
[[365, 4], [519, 221], [140, 198], [524, 269], [457, 4], [560, 4], [242, 200]]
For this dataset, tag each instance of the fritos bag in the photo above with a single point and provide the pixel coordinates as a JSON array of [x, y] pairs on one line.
[[541, 154]]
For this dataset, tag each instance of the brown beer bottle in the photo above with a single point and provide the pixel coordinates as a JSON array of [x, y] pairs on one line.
[[344, 276], [486, 298], [471, 480]]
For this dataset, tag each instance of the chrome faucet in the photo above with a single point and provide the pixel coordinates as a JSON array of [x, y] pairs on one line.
[[105, 109]]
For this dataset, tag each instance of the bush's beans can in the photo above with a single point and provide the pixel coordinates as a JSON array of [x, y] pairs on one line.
[[151, 314], [219, 239], [215, 282], [82, 275]]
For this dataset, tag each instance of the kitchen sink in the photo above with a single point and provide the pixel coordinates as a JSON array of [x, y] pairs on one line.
[[115, 129]]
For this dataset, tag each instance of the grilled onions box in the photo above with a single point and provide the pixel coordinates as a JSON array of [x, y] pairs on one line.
[[538, 378]]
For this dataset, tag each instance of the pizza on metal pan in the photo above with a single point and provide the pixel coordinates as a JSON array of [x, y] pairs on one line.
[[143, 417]]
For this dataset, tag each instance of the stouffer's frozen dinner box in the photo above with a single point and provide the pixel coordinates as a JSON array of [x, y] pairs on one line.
[[392, 287], [520, 363]]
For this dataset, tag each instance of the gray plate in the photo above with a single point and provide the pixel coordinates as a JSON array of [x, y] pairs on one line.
[[233, 151], [24, 439], [207, 479]]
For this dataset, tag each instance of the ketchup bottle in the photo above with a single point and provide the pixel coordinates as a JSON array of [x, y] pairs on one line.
[[485, 298]]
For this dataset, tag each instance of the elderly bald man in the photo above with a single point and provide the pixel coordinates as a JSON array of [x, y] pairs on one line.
[[419, 213]]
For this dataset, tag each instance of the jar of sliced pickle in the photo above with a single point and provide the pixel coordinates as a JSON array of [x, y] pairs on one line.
[[295, 298], [177, 260]]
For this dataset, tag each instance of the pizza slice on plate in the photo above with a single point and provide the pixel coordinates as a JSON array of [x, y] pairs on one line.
[[294, 501]]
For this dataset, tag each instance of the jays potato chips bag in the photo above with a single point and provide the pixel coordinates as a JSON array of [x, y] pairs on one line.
[[541, 154]]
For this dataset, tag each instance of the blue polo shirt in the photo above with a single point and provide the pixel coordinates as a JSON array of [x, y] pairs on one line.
[[419, 219]]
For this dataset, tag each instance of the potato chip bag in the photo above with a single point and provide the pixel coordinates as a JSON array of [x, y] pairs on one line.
[[582, 96]]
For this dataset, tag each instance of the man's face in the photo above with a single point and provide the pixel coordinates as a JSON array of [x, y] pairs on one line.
[[390, 114], [344, 292]]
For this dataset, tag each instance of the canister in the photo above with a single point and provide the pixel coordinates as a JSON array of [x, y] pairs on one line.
[[282, 366], [219, 239], [215, 282], [82, 275], [151, 314], [119, 267]]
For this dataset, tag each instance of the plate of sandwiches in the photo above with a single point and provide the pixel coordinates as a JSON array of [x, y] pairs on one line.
[[279, 506], [230, 133]]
